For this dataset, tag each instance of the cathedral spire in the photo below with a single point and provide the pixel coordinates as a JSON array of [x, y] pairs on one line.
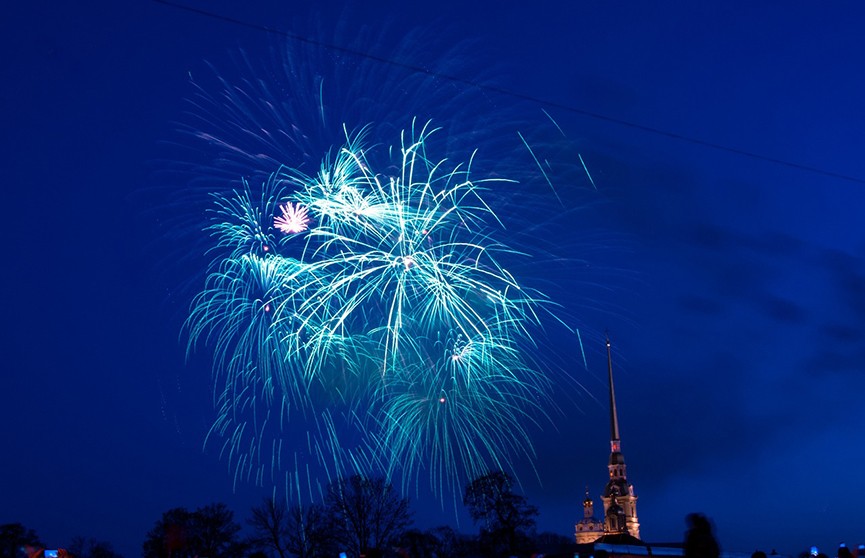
[[615, 441], [620, 502]]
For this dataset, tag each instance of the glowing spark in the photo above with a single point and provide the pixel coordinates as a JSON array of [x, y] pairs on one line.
[[540, 167], [585, 168]]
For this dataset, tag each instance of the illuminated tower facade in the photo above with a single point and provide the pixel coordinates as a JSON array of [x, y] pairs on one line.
[[620, 502]]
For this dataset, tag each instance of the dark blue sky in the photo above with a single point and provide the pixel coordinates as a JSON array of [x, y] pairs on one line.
[[733, 287]]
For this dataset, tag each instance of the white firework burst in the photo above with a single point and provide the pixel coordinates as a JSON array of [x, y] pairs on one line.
[[294, 218]]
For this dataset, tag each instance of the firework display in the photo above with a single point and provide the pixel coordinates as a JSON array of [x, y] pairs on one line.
[[362, 315]]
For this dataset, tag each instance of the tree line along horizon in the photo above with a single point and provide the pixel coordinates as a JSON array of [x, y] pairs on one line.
[[359, 517]]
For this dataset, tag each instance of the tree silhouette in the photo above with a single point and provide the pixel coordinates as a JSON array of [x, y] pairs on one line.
[[209, 531], [82, 547], [215, 534], [298, 531], [169, 537], [506, 518], [308, 532], [449, 543], [13, 536], [269, 525], [440, 542], [420, 544], [366, 515]]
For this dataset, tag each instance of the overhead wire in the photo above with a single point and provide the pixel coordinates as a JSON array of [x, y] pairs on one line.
[[513, 94]]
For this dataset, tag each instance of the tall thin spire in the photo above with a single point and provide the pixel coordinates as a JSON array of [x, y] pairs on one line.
[[615, 441], [620, 502]]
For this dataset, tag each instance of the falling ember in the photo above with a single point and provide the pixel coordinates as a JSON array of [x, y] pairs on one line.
[[294, 218]]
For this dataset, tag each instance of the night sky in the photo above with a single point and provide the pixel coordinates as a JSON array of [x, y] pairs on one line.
[[732, 284]]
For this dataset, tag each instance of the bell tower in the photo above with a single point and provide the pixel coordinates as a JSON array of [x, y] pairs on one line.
[[588, 529]]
